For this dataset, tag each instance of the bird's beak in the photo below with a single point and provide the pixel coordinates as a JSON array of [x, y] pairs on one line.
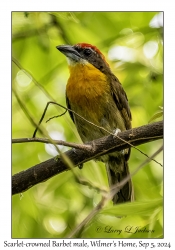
[[69, 51]]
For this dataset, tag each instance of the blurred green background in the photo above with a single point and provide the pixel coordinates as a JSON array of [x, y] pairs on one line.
[[133, 45]]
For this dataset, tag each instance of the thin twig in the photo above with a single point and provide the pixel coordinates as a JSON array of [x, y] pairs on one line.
[[24, 109], [89, 184], [56, 116], [90, 216], [15, 61], [57, 142]]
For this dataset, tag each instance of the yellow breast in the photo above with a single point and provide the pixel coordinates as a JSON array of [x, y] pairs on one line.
[[87, 89]]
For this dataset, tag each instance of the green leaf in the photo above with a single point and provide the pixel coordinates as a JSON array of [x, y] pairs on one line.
[[138, 208], [155, 116]]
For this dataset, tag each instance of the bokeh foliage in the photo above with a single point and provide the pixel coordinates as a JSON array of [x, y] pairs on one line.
[[133, 45]]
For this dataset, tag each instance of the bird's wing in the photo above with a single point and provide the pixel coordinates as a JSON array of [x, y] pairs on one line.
[[69, 107], [121, 101]]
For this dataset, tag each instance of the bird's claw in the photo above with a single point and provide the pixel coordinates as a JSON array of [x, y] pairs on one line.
[[116, 131], [80, 166]]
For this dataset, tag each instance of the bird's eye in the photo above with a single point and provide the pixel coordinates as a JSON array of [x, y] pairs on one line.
[[87, 52]]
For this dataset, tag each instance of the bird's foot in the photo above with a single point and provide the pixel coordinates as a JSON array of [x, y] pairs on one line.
[[80, 166], [116, 131]]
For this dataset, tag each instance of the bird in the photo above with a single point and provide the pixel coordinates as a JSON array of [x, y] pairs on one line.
[[96, 94]]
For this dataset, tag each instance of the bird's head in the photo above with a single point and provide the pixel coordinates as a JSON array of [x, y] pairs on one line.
[[84, 53]]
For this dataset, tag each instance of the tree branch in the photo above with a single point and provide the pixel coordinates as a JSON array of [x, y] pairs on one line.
[[45, 170], [57, 142]]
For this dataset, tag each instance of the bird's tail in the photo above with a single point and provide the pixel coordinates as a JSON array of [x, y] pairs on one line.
[[118, 170]]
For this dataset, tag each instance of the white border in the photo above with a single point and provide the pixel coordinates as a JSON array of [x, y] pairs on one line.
[[5, 93]]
